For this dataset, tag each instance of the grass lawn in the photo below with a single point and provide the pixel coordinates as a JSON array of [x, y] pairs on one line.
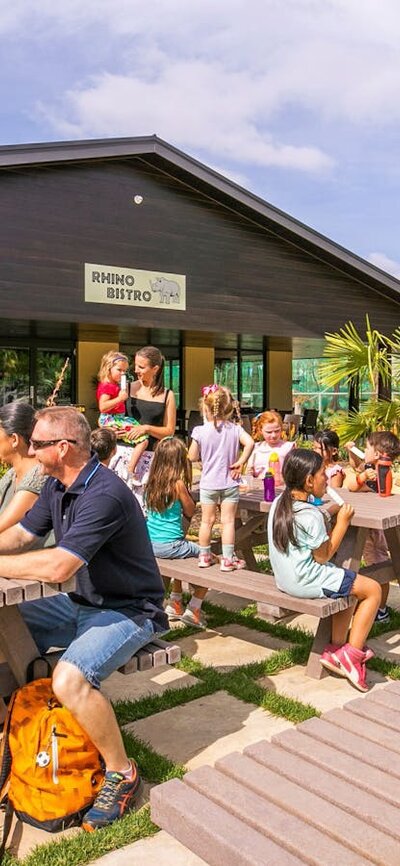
[[242, 683]]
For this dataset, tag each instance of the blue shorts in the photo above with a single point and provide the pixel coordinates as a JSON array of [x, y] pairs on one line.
[[345, 587], [98, 641], [179, 549], [215, 497]]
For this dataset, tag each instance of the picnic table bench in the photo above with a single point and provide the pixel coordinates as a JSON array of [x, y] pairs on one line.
[[325, 792], [18, 649], [272, 604]]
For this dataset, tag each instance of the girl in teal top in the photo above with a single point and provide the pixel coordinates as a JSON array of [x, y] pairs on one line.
[[168, 503]]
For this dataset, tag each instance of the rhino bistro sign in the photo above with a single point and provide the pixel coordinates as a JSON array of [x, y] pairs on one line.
[[108, 284]]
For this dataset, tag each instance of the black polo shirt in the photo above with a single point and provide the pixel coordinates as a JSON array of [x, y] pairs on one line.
[[99, 520]]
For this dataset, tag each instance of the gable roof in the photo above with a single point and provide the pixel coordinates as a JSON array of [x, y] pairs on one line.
[[189, 171]]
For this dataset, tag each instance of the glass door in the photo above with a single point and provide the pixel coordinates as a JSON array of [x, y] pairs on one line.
[[30, 374], [14, 375], [52, 369]]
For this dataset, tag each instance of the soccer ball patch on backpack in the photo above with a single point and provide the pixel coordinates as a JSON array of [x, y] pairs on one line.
[[50, 771]]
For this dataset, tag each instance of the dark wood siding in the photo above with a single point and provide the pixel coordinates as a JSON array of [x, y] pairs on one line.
[[240, 277]]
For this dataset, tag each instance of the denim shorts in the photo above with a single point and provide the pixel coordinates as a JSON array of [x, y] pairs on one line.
[[179, 549], [98, 641], [215, 497], [345, 587]]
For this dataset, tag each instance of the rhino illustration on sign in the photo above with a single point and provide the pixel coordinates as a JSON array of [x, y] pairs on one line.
[[169, 290]]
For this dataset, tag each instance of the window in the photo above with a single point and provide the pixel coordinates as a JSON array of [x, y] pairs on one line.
[[308, 391], [226, 370], [242, 371], [252, 379]]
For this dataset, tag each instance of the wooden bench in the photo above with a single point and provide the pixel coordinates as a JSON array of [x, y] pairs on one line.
[[17, 647], [325, 792], [272, 604]]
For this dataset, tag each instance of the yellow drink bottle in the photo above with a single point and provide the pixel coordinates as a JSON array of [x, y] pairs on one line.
[[273, 466]]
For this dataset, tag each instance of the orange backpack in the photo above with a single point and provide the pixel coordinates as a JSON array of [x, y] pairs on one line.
[[50, 772]]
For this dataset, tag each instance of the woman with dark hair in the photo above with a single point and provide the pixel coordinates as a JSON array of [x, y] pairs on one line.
[[300, 551], [152, 405], [22, 483]]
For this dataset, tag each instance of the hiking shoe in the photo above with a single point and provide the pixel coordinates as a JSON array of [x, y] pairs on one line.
[[174, 609], [352, 665], [194, 616], [231, 564], [382, 615], [117, 796], [205, 560]]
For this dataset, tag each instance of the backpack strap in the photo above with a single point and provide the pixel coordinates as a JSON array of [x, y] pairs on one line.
[[9, 813], [31, 673]]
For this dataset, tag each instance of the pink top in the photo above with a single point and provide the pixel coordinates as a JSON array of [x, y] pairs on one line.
[[336, 469], [259, 459], [112, 390]]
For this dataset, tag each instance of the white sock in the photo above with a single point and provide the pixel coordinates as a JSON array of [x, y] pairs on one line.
[[195, 603]]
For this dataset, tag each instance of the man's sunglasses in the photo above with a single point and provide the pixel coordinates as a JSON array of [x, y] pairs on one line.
[[37, 444]]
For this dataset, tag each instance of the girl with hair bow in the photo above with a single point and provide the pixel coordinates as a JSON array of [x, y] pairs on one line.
[[216, 443]]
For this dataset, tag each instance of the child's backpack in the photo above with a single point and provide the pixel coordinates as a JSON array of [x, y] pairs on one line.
[[50, 771]]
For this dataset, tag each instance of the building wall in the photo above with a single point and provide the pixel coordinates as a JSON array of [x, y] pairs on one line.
[[279, 379], [240, 277], [198, 370], [88, 357]]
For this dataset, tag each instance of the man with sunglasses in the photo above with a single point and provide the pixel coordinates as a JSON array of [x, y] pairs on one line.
[[101, 537]]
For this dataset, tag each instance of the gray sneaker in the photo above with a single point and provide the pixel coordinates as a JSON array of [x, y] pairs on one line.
[[194, 616]]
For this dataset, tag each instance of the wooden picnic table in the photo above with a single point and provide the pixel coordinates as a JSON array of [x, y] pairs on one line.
[[18, 649], [371, 512], [17, 646]]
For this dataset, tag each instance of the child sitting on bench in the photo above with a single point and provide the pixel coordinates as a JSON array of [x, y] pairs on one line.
[[168, 502], [300, 551]]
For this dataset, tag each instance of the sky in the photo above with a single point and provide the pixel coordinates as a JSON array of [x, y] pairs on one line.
[[295, 100]]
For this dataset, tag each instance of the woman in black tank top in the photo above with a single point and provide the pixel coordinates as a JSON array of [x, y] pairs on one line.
[[152, 405]]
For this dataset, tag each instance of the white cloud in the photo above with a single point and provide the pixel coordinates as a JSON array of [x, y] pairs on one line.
[[219, 77], [380, 260]]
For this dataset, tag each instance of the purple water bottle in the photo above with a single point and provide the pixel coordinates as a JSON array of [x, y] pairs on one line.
[[269, 487]]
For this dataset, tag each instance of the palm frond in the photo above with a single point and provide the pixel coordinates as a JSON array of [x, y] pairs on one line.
[[375, 415]]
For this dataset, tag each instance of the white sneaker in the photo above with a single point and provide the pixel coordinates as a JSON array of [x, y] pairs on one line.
[[232, 564], [205, 560], [194, 616], [174, 610]]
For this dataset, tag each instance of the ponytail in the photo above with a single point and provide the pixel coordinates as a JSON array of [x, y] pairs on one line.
[[298, 464], [283, 530]]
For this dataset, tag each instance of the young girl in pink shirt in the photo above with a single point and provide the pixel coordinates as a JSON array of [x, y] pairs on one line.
[[111, 397], [326, 443], [268, 436]]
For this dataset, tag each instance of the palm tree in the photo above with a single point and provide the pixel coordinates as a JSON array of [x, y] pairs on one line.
[[356, 358]]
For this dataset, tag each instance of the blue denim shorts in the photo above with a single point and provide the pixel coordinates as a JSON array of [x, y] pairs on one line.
[[98, 641], [179, 549], [215, 497], [345, 587]]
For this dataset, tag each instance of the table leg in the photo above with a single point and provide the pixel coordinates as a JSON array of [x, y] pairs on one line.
[[322, 637], [350, 551], [392, 536], [244, 538], [16, 642]]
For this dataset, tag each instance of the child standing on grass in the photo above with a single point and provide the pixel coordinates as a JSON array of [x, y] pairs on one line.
[[267, 429], [383, 443], [326, 443], [168, 501], [216, 444], [111, 399], [300, 550]]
